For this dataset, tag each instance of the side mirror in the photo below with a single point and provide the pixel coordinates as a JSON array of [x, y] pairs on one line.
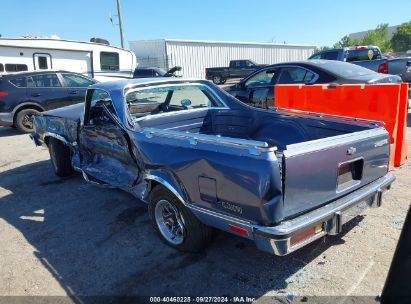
[[186, 102]]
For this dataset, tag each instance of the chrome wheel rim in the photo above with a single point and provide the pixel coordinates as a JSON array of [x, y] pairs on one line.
[[217, 79], [170, 222], [28, 121]]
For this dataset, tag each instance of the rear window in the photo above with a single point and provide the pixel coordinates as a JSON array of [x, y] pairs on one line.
[[1, 67], [363, 54], [345, 70], [109, 61], [13, 67], [143, 73]]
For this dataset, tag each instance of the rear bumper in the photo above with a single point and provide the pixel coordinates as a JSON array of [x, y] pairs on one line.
[[277, 240], [6, 119]]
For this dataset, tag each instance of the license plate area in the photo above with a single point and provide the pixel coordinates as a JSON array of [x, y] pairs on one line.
[[349, 174]]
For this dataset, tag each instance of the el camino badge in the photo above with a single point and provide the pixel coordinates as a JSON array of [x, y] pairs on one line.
[[232, 207]]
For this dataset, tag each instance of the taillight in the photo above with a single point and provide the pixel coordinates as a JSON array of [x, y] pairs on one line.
[[238, 230], [383, 68], [306, 235], [4, 93], [206, 72]]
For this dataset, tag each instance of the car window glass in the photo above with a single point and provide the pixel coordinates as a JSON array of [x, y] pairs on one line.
[[99, 99], [170, 98], [292, 75], [143, 73], [333, 55], [363, 54], [109, 61], [1, 67], [19, 82], [12, 67], [262, 78], [249, 64], [73, 80], [316, 56], [196, 97], [45, 81]]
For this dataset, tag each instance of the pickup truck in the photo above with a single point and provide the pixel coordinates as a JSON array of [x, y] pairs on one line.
[[370, 57], [202, 159], [237, 69]]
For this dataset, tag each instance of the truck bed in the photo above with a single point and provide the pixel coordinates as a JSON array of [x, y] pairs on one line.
[[320, 160]]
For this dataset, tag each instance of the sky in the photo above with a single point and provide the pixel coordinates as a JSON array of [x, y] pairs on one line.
[[319, 23]]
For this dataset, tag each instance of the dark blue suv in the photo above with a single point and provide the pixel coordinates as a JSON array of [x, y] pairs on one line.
[[25, 94]]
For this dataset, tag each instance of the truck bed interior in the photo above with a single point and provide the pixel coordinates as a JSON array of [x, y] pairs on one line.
[[273, 128]]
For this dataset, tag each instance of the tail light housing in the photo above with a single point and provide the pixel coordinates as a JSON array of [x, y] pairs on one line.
[[383, 68], [4, 93], [206, 72]]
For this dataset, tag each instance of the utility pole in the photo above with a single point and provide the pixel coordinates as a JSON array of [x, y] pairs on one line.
[[120, 23]]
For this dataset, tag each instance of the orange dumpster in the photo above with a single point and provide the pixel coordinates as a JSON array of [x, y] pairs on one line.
[[381, 102]]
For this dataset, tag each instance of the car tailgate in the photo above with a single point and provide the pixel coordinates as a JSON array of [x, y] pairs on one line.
[[319, 171]]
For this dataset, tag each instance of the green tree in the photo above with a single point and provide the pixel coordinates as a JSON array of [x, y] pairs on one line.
[[401, 40], [346, 41], [322, 48], [378, 37]]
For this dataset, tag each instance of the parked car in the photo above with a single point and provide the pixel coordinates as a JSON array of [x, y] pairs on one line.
[[149, 72], [237, 69], [201, 158], [370, 57], [23, 95], [258, 88]]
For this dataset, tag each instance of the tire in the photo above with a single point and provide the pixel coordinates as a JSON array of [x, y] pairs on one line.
[[223, 81], [190, 236], [217, 79], [24, 120], [60, 156]]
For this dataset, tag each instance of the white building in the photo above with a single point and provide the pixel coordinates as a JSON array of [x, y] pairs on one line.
[[194, 56]]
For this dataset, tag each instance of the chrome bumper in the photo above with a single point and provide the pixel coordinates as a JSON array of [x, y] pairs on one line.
[[276, 240], [6, 119]]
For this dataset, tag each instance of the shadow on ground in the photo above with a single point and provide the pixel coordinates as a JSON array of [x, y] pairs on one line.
[[9, 131], [98, 241]]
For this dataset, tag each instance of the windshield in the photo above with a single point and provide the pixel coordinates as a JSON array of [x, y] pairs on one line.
[[345, 70]]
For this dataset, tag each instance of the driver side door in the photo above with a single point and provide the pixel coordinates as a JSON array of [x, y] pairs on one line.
[[104, 145]]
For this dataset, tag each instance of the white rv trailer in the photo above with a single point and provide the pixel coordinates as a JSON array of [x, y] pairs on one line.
[[97, 60]]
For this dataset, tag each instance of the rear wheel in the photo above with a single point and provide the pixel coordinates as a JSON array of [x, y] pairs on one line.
[[60, 157], [175, 224], [25, 120], [217, 79]]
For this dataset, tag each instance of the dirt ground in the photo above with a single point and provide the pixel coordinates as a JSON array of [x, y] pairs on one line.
[[66, 237]]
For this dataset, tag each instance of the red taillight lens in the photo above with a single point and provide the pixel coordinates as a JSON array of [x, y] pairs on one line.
[[383, 68], [206, 72], [238, 230], [4, 93]]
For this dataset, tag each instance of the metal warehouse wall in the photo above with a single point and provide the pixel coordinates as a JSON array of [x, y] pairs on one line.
[[195, 56]]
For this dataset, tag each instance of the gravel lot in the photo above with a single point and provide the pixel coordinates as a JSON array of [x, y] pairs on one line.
[[66, 237]]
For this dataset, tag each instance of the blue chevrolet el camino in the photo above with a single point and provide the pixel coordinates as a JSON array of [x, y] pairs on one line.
[[201, 159]]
